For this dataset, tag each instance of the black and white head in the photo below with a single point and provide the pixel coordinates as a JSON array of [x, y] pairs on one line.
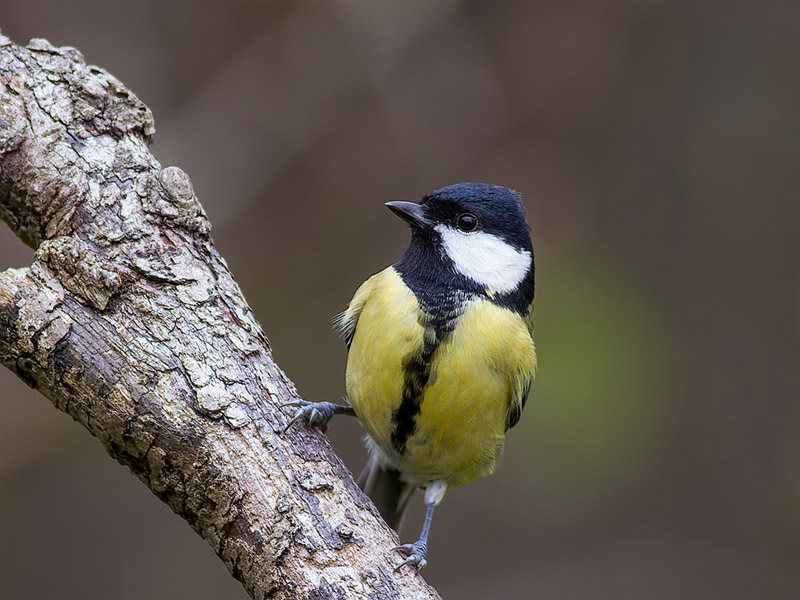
[[472, 235]]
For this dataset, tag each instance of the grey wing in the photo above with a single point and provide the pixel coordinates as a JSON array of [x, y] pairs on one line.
[[515, 408], [346, 321]]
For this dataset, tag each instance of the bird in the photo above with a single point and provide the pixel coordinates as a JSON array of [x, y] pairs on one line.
[[440, 350]]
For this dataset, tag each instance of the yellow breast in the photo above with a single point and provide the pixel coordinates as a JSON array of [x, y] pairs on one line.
[[473, 375]]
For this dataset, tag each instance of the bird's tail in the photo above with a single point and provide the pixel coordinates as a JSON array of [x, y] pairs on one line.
[[389, 493]]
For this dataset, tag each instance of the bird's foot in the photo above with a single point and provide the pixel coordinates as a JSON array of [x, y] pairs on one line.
[[414, 553], [314, 413]]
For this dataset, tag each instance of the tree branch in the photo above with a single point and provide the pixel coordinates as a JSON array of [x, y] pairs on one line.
[[129, 321]]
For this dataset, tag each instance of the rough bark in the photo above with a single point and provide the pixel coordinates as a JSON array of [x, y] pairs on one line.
[[129, 321]]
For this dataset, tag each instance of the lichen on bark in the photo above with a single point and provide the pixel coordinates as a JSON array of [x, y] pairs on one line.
[[129, 320]]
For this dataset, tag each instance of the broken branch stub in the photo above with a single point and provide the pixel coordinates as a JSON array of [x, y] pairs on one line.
[[129, 321]]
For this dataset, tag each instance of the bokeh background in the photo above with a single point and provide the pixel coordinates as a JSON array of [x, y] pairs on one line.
[[657, 147]]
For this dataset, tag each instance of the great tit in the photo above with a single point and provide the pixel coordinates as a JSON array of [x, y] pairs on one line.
[[440, 350]]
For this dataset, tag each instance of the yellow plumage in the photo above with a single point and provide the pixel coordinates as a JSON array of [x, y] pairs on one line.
[[477, 374], [441, 352]]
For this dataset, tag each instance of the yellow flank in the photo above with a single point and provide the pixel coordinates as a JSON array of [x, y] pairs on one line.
[[384, 313], [529, 325], [476, 374]]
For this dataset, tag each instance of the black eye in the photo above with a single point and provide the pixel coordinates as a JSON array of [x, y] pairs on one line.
[[467, 222]]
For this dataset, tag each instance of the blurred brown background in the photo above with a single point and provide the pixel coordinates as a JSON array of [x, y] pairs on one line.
[[657, 148]]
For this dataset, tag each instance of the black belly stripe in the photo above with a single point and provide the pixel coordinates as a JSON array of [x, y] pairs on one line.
[[417, 369], [416, 372], [442, 294]]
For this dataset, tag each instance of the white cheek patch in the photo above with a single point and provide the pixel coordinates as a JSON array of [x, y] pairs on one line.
[[486, 258]]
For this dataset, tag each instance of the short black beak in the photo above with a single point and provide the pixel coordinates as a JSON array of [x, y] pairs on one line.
[[410, 212]]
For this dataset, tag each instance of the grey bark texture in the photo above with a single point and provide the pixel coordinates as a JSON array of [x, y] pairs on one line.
[[129, 321]]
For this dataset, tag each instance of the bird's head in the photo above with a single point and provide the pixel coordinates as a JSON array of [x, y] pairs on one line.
[[478, 229]]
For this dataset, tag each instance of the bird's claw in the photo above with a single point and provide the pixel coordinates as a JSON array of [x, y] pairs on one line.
[[415, 555], [315, 413]]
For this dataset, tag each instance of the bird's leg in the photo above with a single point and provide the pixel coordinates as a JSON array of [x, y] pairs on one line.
[[415, 553], [316, 413]]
